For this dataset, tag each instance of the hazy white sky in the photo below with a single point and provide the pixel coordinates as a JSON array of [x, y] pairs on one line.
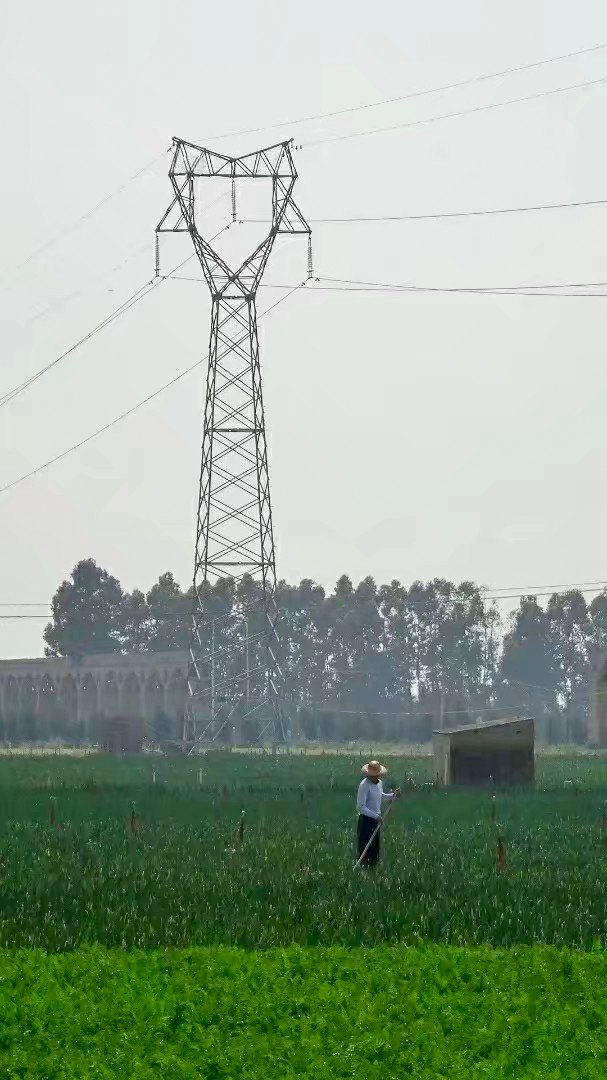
[[410, 436]]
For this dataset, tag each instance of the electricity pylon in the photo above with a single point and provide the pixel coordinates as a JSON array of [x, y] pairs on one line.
[[234, 534]]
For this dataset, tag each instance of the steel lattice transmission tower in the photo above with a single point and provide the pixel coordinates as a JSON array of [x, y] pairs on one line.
[[234, 534]]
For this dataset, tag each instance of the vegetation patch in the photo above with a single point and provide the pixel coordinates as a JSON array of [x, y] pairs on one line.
[[431, 1011], [93, 851]]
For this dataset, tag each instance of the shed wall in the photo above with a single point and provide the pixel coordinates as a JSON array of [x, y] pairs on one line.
[[475, 757]]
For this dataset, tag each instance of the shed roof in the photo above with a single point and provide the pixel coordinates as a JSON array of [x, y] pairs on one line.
[[487, 726]]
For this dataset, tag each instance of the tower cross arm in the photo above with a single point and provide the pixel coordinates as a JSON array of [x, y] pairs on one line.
[[293, 220]]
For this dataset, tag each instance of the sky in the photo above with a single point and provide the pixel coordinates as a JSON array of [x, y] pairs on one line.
[[410, 435]]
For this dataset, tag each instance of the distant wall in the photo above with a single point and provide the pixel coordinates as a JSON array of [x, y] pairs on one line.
[[148, 686]]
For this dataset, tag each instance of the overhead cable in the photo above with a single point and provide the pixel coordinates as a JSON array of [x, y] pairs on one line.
[[24, 616], [140, 294], [529, 590], [550, 592], [459, 112], [73, 225], [438, 215], [460, 292], [133, 409], [352, 285], [409, 96], [134, 253]]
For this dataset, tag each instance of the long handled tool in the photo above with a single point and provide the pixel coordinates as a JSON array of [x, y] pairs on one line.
[[375, 832]]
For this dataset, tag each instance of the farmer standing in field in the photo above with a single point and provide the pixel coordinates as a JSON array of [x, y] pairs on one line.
[[368, 804]]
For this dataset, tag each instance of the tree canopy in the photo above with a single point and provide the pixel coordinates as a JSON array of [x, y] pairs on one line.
[[374, 653]]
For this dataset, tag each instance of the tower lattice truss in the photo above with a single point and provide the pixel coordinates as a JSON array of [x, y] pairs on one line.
[[235, 670]]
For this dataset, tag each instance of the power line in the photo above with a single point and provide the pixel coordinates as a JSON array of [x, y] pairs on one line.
[[550, 592], [469, 288], [411, 95], [128, 412], [62, 301], [465, 292], [414, 94], [140, 293], [24, 616], [459, 112], [73, 225], [518, 590], [531, 588], [353, 286], [439, 215], [21, 603], [446, 601], [424, 706]]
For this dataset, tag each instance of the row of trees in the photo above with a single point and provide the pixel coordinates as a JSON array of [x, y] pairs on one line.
[[435, 652]]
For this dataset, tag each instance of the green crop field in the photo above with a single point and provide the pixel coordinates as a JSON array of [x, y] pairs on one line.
[[183, 879], [161, 945], [428, 1012]]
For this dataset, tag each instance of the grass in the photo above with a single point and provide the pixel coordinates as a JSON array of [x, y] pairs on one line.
[[428, 1012]]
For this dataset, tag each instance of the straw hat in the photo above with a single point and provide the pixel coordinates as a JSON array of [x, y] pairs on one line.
[[373, 768]]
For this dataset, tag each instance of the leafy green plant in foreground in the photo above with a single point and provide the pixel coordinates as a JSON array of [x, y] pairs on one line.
[[426, 1012]]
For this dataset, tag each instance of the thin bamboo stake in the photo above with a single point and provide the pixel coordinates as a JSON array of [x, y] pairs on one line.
[[374, 833]]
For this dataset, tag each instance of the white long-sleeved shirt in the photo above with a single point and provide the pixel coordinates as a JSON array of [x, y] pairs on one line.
[[370, 797]]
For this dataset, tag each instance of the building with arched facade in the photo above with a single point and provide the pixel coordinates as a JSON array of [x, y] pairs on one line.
[[150, 686]]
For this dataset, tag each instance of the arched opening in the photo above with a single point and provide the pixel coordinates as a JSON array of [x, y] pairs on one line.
[[131, 696], [50, 720], [177, 692], [89, 704], [69, 708], [29, 697], [28, 724], [12, 697], [155, 706], [110, 696], [12, 707]]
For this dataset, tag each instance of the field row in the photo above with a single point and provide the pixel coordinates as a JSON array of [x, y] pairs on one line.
[[260, 769]]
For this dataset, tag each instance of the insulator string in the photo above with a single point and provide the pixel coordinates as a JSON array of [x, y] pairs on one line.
[[157, 256]]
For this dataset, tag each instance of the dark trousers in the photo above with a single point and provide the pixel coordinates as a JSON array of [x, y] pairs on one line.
[[365, 829]]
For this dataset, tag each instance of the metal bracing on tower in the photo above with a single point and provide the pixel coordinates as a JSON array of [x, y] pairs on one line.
[[234, 534]]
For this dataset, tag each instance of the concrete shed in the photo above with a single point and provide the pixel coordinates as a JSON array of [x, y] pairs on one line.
[[500, 752]]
